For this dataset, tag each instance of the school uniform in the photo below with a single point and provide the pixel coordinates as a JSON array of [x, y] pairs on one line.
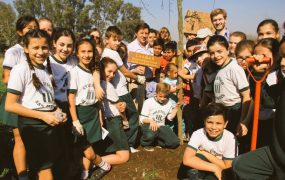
[[81, 83], [120, 84], [267, 162], [229, 82], [39, 138], [164, 136], [13, 56], [116, 139]]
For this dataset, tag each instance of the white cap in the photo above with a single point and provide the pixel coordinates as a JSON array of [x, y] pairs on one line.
[[204, 32]]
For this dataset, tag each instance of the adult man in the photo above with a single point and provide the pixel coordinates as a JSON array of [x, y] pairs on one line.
[[219, 19]]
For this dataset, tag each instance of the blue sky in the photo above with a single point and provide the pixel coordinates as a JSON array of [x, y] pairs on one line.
[[243, 15]]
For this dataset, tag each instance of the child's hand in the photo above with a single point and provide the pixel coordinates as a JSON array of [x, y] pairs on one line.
[[60, 116], [242, 130], [99, 93], [77, 128], [153, 125], [50, 119], [139, 70], [121, 106], [259, 67], [218, 172]]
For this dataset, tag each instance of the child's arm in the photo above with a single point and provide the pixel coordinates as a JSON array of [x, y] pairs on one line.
[[171, 115], [246, 101], [72, 109], [12, 105], [223, 164], [99, 92], [6, 75], [183, 73], [127, 73], [190, 159], [152, 124]]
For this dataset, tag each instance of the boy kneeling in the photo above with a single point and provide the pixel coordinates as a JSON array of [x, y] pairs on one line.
[[154, 112], [210, 149]]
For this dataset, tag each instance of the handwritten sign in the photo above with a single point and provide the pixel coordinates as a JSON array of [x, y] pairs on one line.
[[195, 20], [143, 59]]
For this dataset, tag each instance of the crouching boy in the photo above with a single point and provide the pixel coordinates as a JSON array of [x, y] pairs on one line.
[[211, 149], [154, 112]]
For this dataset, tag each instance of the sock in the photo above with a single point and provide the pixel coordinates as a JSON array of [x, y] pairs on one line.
[[104, 165], [84, 174]]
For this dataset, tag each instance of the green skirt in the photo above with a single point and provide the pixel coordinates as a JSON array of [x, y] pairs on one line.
[[7, 118], [41, 143], [116, 139], [89, 118]]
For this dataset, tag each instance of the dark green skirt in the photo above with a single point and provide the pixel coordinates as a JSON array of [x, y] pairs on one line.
[[41, 143], [89, 118], [7, 118], [116, 139]]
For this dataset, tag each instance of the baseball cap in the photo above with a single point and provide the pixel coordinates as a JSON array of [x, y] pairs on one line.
[[204, 32], [199, 49]]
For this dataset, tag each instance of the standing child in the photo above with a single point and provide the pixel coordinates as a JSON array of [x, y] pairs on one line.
[[268, 28], [171, 73], [84, 108], [235, 38], [210, 149], [113, 108], [113, 37], [244, 50], [13, 56], [231, 87], [153, 115], [31, 96], [61, 63]]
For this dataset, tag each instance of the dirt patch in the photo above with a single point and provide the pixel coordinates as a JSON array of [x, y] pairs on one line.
[[160, 164]]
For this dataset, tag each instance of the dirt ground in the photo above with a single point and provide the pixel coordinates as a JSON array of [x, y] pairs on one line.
[[161, 164]]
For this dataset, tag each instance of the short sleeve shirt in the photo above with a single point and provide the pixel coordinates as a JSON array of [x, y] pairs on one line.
[[229, 82], [109, 100], [21, 83], [119, 81], [81, 82], [223, 148], [13, 56]]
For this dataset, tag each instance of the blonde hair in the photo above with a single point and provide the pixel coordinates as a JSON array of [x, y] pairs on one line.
[[162, 88], [218, 11]]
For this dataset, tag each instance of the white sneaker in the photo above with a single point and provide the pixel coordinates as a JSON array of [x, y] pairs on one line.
[[133, 150], [149, 148]]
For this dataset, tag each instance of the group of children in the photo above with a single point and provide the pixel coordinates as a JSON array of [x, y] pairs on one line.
[[67, 94]]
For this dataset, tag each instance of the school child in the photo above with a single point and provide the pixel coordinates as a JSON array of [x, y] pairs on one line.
[[84, 108], [267, 162], [235, 38], [203, 35], [193, 74], [169, 53], [267, 47], [171, 73], [31, 96], [210, 149], [116, 141], [244, 50], [113, 37], [268, 28], [13, 56], [231, 87], [158, 47], [61, 63], [152, 36], [151, 86], [153, 115], [47, 25]]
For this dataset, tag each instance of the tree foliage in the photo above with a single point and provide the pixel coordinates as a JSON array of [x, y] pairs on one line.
[[7, 25], [82, 15]]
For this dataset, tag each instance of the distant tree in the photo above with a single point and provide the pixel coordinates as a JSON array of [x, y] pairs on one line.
[[7, 26], [130, 18], [82, 15], [71, 14]]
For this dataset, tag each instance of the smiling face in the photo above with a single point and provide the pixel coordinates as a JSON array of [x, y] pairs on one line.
[[31, 25], [234, 40], [142, 36], [219, 22], [63, 47], [85, 54], [219, 54], [161, 97], [214, 125], [267, 31], [37, 50], [110, 71], [113, 42]]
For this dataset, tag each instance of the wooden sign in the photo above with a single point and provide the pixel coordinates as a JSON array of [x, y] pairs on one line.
[[143, 59], [194, 20]]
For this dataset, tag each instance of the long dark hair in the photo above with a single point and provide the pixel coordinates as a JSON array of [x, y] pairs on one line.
[[37, 33]]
